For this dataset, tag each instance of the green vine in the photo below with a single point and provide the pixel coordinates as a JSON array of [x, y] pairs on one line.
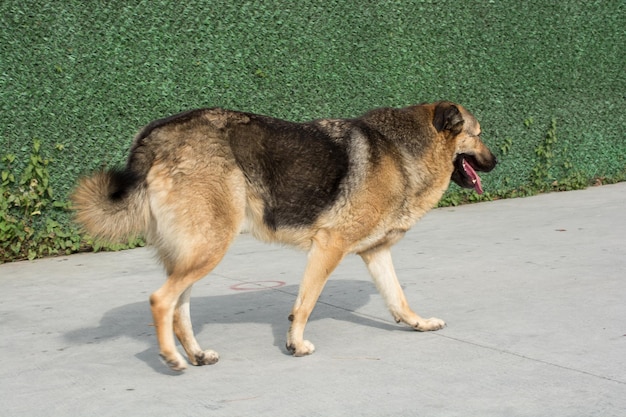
[[30, 213], [541, 178], [28, 228], [540, 174]]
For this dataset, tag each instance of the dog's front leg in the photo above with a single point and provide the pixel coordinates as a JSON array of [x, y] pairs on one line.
[[324, 255], [381, 268]]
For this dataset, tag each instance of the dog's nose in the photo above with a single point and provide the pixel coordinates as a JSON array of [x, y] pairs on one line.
[[490, 163]]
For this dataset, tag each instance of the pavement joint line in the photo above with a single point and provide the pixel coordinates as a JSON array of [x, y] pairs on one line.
[[519, 355], [381, 320], [507, 352]]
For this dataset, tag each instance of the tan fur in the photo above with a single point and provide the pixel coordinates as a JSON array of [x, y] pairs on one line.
[[104, 219], [194, 184]]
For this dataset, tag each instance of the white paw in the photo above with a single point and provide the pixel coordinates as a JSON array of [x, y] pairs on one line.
[[303, 349], [208, 357], [428, 325]]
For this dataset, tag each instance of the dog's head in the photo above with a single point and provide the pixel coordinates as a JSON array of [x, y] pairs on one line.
[[470, 153]]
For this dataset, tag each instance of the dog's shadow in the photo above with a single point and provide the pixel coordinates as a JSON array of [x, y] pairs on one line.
[[271, 306]]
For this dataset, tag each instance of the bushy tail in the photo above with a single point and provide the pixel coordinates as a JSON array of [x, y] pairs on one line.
[[112, 205]]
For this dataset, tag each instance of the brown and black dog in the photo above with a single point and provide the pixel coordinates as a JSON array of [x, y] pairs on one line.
[[331, 187]]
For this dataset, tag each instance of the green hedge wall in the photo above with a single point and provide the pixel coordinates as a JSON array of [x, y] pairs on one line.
[[83, 77]]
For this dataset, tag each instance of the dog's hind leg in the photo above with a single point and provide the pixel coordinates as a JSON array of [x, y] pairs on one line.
[[381, 268], [324, 255], [170, 309], [194, 223], [184, 332]]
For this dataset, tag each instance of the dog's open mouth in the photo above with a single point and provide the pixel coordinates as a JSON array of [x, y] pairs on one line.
[[464, 173]]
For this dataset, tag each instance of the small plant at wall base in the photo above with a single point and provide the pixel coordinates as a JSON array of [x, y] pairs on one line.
[[540, 174], [540, 177], [29, 211], [28, 228]]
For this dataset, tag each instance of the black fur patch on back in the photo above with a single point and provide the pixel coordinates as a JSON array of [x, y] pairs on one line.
[[296, 168], [170, 120]]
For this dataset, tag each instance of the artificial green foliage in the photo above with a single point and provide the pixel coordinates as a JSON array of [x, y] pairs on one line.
[[86, 76]]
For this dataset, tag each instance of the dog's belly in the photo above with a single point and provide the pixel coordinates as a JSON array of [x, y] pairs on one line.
[[379, 240]]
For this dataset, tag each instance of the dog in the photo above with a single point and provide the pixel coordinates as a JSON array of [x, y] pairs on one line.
[[331, 187]]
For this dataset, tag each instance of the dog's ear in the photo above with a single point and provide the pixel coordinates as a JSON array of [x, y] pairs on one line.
[[448, 117]]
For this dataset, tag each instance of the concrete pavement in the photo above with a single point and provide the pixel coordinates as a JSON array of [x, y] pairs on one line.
[[533, 291]]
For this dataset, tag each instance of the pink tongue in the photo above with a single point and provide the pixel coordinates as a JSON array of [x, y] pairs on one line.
[[474, 176]]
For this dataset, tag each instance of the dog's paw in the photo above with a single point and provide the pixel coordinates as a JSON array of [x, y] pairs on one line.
[[305, 348], [175, 362], [208, 357], [428, 325]]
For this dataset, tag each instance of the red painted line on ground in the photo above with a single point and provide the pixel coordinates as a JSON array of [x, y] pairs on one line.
[[256, 285]]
